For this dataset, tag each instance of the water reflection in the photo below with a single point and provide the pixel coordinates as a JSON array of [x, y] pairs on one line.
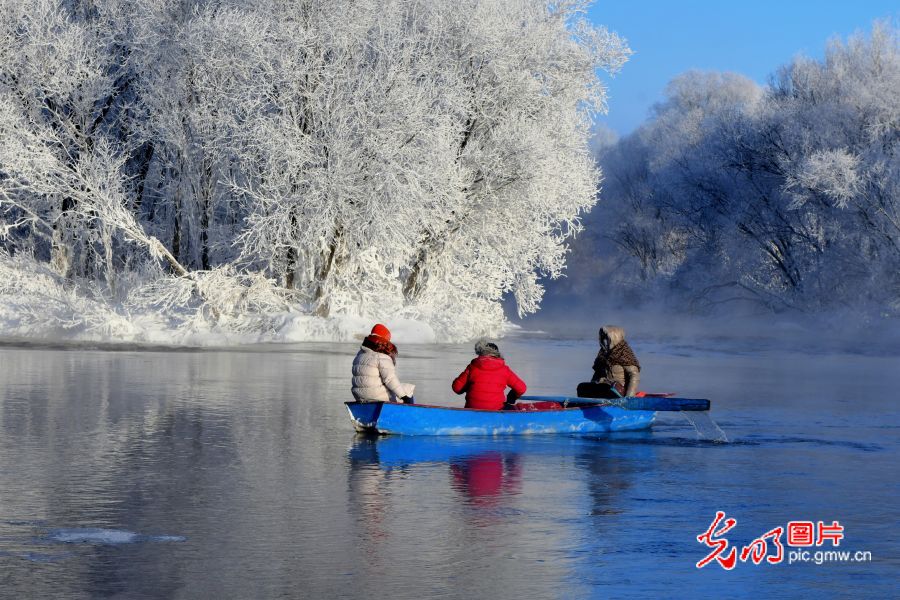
[[485, 479], [368, 489], [607, 476], [100, 448], [478, 469], [250, 457], [105, 454], [484, 473]]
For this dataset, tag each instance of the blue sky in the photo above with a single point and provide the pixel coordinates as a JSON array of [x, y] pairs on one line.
[[750, 37]]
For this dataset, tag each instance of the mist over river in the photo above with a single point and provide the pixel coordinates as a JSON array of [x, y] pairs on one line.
[[161, 473]]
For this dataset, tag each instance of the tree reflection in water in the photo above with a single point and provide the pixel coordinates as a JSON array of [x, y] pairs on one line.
[[368, 488]]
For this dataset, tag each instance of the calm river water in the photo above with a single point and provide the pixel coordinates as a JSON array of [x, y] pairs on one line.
[[237, 474]]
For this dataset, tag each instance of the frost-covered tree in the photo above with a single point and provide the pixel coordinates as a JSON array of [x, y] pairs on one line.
[[419, 158], [785, 196], [430, 157]]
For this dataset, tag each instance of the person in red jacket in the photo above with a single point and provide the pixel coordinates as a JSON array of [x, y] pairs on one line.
[[486, 378]]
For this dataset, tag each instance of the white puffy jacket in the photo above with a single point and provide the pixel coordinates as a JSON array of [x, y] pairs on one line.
[[375, 378]]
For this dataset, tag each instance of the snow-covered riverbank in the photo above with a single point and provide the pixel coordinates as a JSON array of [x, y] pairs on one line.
[[36, 304]]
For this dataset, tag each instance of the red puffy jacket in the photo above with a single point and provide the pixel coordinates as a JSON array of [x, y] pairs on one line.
[[484, 381]]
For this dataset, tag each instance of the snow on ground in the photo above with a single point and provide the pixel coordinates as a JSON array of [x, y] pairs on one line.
[[35, 304], [154, 329]]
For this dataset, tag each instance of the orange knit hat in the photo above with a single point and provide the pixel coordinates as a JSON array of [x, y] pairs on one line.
[[381, 331]]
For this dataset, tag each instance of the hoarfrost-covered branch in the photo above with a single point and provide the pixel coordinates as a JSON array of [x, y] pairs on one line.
[[419, 159], [786, 196]]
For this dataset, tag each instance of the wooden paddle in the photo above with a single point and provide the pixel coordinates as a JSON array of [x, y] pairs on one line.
[[628, 402]]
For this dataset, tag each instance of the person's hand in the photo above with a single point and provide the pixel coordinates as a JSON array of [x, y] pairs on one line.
[[408, 400], [509, 406]]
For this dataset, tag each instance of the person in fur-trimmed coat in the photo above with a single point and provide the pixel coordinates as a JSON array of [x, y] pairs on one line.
[[616, 364], [374, 372], [486, 378]]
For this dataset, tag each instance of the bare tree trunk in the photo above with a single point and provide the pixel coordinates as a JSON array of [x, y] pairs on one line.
[[205, 208], [291, 261], [433, 244], [61, 251], [291, 257], [330, 260], [172, 260], [176, 228]]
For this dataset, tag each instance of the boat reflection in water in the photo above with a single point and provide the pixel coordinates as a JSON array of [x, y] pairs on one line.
[[447, 474], [511, 505], [481, 468], [398, 452], [485, 469], [484, 479]]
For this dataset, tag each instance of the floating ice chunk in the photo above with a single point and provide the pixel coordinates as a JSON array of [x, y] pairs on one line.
[[107, 536], [91, 535]]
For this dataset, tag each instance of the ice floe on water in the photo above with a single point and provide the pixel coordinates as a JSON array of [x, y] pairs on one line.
[[42, 539], [93, 535]]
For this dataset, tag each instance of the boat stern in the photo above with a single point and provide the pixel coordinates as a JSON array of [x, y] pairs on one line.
[[364, 415]]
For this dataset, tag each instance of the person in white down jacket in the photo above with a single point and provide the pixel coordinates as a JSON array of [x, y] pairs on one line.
[[374, 373]]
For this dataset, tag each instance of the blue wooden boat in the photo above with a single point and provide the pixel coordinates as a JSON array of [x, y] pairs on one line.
[[421, 419]]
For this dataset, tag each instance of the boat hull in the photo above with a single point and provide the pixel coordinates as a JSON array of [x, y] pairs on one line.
[[418, 419]]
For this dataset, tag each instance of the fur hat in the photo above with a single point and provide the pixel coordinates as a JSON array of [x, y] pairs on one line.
[[614, 334], [485, 347]]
